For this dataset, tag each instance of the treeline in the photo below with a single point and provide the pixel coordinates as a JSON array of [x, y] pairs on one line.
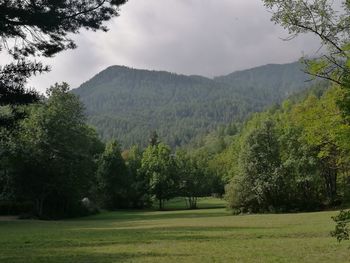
[[293, 157], [53, 165]]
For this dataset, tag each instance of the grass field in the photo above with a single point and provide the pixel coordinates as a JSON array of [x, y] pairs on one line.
[[204, 235]]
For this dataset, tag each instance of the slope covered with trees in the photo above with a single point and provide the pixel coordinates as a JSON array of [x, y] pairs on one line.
[[129, 104]]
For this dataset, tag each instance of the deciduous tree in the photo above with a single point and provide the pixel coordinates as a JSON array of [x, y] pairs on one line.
[[54, 157], [113, 180], [159, 166]]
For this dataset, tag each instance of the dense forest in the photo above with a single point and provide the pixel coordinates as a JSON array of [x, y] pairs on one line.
[[128, 104], [290, 157]]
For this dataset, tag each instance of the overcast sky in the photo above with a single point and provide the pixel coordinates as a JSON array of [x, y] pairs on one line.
[[204, 37]]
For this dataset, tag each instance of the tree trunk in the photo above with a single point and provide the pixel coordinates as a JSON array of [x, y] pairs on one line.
[[192, 201], [330, 176], [39, 207]]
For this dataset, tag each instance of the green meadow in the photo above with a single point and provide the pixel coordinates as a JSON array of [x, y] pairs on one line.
[[203, 235]]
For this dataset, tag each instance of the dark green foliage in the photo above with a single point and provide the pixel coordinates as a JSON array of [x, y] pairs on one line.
[[260, 164], [51, 161], [342, 220], [195, 179], [158, 165], [128, 104], [301, 167], [260, 184], [139, 194], [113, 180], [12, 92], [6, 179]]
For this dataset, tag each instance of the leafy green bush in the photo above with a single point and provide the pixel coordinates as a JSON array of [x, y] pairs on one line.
[[342, 220]]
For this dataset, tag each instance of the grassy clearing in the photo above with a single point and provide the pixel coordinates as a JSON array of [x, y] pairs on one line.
[[205, 235]]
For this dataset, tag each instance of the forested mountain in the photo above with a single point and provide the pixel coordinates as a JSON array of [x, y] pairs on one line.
[[128, 104], [273, 82]]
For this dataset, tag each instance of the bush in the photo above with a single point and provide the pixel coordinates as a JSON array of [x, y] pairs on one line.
[[341, 231]]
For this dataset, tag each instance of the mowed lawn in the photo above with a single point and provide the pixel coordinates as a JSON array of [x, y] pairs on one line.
[[204, 235]]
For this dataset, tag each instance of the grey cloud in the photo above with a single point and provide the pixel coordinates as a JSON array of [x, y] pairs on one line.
[[206, 37]]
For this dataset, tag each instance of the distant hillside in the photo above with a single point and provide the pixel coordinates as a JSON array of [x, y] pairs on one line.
[[128, 104], [274, 81]]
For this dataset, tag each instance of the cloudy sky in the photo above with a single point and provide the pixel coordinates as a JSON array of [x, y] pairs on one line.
[[204, 37]]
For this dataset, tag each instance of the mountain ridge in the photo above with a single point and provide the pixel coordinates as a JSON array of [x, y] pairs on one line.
[[186, 75], [128, 104]]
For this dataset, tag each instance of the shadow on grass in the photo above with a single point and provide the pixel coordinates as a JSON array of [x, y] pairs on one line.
[[107, 239], [89, 257], [96, 237], [134, 215]]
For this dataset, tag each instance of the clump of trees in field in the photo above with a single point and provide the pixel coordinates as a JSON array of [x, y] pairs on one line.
[[52, 160], [291, 158]]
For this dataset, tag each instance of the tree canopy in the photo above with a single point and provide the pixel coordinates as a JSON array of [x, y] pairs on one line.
[[52, 156]]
